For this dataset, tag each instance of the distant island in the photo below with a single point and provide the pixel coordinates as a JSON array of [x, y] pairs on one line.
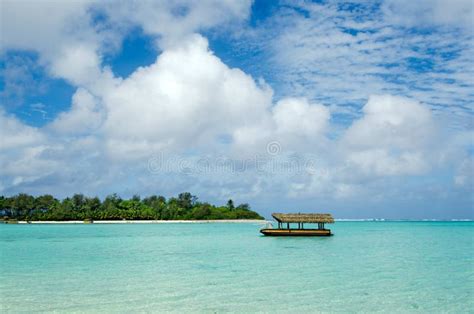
[[79, 207]]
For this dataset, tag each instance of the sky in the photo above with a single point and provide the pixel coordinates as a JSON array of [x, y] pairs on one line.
[[360, 109]]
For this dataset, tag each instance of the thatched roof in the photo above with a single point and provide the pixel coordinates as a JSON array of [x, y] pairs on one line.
[[308, 218]]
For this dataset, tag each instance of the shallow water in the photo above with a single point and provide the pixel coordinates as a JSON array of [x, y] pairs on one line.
[[366, 266]]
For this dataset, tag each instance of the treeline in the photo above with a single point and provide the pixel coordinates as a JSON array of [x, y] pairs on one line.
[[79, 207]]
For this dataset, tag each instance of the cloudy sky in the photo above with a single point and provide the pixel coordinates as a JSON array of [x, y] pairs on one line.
[[355, 108]]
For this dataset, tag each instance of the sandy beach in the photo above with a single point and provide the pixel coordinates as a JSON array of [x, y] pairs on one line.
[[149, 221]]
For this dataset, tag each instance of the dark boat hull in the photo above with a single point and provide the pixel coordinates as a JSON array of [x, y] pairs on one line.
[[296, 232]]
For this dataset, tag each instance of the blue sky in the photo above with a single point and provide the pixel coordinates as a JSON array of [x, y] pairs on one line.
[[365, 110]]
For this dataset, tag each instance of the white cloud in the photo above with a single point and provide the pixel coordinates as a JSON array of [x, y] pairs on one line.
[[79, 64], [293, 124], [299, 118], [71, 40], [42, 25], [393, 137], [340, 54], [458, 13], [382, 163], [84, 117], [392, 122], [20, 147], [14, 134], [174, 21], [186, 97]]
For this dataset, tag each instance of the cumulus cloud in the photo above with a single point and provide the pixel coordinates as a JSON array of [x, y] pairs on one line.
[[84, 117], [79, 64], [75, 34], [293, 123], [15, 134], [43, 25], [188, 95], [190, 98], [393, 122], [298, 118], [393, 137], [20, 146]]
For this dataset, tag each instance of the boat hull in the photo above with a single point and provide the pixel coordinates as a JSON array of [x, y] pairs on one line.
[[296, 232]]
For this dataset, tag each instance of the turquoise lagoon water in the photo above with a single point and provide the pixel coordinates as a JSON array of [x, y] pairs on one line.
[[366, 266]]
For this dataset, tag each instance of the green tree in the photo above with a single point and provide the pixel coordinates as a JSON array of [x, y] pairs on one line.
[[79, 207], [201, 212], [78, 201], [22, 205], [92, 204], [111, 202], [186, 200], [230, 205]]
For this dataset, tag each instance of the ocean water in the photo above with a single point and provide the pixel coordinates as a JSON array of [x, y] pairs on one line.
[[365, 266]]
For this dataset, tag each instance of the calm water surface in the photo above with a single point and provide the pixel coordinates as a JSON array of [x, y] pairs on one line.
[[366, 266]]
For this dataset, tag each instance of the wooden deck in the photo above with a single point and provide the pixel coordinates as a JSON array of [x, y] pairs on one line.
[[297, 232]]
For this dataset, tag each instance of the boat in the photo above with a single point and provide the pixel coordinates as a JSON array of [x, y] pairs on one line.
[[289, 220]]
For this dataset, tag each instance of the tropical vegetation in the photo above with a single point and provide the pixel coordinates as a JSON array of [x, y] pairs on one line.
[[79, 207]]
